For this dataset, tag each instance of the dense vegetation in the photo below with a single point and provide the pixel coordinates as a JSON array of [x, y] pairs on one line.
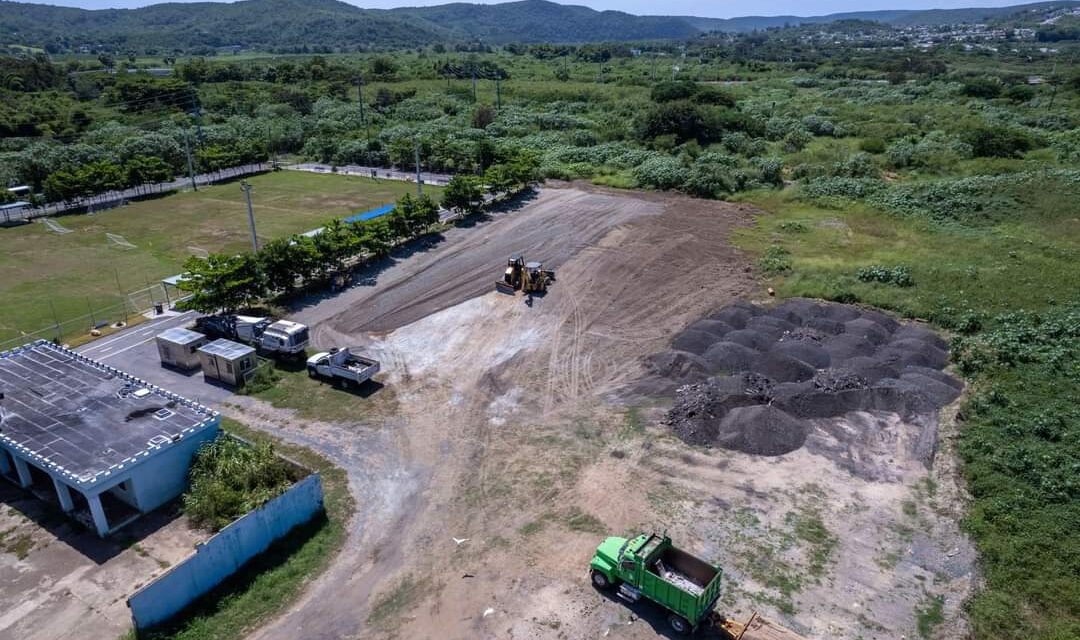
[[229, 477], [942, 184]]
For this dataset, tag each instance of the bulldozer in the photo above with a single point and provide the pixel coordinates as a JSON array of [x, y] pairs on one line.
[[529, 277]]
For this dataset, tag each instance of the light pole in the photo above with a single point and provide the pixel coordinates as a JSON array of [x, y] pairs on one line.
[[246, 188]]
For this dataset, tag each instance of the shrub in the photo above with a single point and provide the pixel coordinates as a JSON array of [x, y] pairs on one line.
[[860, 165], [661, 172], [775, 260], [228, 478], [872, 145], [771, 169], [982, 87], [899, 275], [997, 141], [797, 140]]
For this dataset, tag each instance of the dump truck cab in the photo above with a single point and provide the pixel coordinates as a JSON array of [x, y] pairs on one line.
[[650, 565]]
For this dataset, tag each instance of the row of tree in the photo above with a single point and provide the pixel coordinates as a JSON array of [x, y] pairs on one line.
[[229, 282], [281, 266]]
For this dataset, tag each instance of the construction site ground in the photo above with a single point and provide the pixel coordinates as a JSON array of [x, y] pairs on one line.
[[500, 448], [506, 454]]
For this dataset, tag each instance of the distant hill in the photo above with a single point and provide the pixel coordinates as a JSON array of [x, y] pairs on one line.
[[541, 21], [276, 24], [250, 23], [896, 17]]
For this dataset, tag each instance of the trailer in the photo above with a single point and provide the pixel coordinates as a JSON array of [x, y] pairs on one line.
[[342, 365], [227, 361], [650, 566], [178, 348]]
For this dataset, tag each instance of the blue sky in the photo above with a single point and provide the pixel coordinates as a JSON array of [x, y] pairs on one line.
[[706, 8]]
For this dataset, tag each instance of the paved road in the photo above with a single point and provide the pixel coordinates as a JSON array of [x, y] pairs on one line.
[[437, 179], [134, 351]]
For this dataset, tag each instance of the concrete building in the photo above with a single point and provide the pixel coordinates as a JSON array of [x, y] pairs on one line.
[[178, 347], [106, 446], [227, 361]]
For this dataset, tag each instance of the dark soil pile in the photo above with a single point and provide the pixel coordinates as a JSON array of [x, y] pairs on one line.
[[753, 379]]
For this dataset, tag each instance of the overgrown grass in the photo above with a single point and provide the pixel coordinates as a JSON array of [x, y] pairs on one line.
[[265, 586], [1020, 442]]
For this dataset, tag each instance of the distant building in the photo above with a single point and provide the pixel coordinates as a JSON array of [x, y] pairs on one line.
[[106, 446]]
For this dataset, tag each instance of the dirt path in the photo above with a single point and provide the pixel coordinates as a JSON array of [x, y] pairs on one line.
[[511, 455]]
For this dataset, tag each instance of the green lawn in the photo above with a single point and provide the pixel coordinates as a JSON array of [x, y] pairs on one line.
[[77, 271]]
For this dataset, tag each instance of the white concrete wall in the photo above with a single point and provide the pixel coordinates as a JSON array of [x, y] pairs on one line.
[[164, 476], [222, 555]]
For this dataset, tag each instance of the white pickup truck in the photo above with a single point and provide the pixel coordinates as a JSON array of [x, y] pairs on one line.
[[343, 365]]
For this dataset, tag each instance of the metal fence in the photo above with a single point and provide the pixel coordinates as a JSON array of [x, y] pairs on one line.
[[112, 199], [100, 317]]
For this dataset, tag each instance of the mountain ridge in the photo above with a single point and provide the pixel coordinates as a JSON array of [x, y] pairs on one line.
[[279, 24]]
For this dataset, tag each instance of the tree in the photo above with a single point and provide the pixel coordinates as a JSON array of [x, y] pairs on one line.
[[483, 115], [222, 283], [141, 170], [333, 245], [464, 193], [382, 68]]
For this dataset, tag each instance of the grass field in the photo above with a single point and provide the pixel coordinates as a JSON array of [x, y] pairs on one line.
[[79, 271]]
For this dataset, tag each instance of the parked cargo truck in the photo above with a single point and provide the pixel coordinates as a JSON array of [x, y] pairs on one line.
[[686, 586]]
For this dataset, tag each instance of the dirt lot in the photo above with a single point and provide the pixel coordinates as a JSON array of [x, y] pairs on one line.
[[61, 581], [508, 435]]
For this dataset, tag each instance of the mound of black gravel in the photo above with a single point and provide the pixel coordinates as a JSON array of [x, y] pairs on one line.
[[762, 430], [729, 357], [753, 379], [807, 352]]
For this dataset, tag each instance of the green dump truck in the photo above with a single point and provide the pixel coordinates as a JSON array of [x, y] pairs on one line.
[[650, 566]]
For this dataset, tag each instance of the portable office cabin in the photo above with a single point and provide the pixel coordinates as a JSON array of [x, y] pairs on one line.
[[226, 361], [178, 347]]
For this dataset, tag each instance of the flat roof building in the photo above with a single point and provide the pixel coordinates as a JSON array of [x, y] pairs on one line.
[[105, 445], [227, 361], [178, 347]]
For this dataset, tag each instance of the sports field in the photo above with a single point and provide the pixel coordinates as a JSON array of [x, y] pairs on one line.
[[79, 271]]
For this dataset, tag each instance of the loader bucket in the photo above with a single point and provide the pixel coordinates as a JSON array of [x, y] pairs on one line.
[[503, 286]]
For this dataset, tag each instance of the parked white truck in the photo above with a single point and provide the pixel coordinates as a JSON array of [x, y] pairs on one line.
[[342, 365]]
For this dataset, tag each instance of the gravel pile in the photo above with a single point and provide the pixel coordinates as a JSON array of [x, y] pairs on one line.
[[752, 379]]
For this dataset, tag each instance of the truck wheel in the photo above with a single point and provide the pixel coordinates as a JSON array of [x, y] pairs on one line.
[[679, 624], [600, 581], [311, 373]]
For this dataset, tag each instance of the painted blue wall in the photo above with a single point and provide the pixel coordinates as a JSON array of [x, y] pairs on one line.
[[220, 556], [164, 476]]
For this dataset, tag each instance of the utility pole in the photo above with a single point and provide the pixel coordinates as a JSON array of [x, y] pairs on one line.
[[360, 97], [190, 165], [419, 181], [246, 188], [474, 84], [498, 93]]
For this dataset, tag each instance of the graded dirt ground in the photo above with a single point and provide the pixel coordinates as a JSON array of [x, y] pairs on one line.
[[509, 450]]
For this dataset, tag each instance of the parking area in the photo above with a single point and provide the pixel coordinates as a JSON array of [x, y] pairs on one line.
[[135, 352]]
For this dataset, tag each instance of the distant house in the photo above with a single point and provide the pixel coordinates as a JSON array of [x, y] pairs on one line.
[[106, 446]]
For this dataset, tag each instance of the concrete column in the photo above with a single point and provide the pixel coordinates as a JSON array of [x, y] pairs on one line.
[[101, 523], [24, 472], [64, 494]]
